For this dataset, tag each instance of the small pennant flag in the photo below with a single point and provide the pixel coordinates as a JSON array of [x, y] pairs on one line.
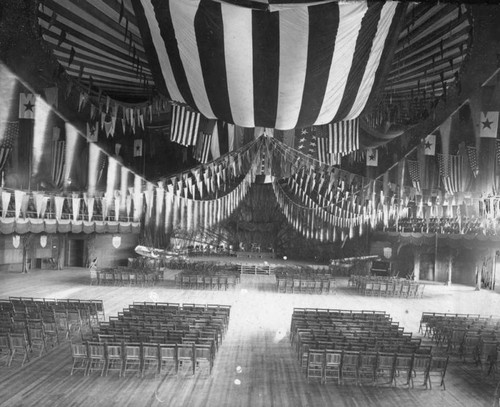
[[473, 161], [372, 157], [430, 145], [138, 147], [92, 132], [27, 103], [489, 124]]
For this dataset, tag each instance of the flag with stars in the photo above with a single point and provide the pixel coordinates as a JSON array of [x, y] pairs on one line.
[[11, 132], [372, 157], [430, 145], [92, 132], [138, 147], [473, 161], [306, 141], [450, 169], [27, 103], [489, 124], [414, 170]]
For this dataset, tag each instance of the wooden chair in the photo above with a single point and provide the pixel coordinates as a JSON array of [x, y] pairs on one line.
[[350, 366], [97, 357], [204, 358], [438, 368], [315, 364], [150, 358], [333, 363], [403, 368], [168, 358], [80, 356], [132, 356], [114, 358], [385, 367], [421, 364], [37, 340], [5, 348], [19, 347], [367, 367]]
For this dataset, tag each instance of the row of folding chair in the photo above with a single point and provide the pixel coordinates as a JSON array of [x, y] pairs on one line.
[[374, 368], [392, 289], [204, 282], [432, 320], [124, 278], [316, 285], [141, 358]]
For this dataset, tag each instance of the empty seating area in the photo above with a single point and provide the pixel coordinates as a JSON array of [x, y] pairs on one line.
[[305, 283], [361, 347], [222, 279], [30, 327], [386, 286], [157, 338], [470, 337], [125, 276]]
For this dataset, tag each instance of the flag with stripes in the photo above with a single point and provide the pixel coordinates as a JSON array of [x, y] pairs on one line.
[[414, 170], [324, 154], [343, 136], [101, 165], [11, 132], [58, 161], [450, 169], [185, 125], [202, 149], [282, 70], [473, 160]]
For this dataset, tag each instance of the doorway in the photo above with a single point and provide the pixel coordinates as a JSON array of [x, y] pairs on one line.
[[75, 253]]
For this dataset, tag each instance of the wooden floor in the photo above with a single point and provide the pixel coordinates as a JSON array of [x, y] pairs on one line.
[[255, 365]]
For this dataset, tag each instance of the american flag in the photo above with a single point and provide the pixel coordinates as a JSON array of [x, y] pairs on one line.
[[450, 169], [343, 137], [101, 165], [185, 126], [473, 161], [324, 155], [202, 149], [414, 170], [11, 132], [306, 141], [497, 153], [58, 161]]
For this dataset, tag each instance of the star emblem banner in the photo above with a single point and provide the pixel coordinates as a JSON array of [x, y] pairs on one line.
[[488, 124]]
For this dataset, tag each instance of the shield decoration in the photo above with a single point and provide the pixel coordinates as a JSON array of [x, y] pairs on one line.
[[387, 252], [43, 240], [117, 241], [16, 240]]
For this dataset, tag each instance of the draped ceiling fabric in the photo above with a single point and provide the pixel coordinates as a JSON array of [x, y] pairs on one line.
[[301, 65]]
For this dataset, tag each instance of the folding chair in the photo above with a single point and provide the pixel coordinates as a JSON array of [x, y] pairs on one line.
[[37, 340], [168, 357], [315, 364], [421, 365], [333, 363], [150, 357], [80, 356], [19, 347], [437, 368], [350, 366], [114, 358], [385, 367], [132, 356], [403, 368], [185, 358], [5, 348], [204, 358], [97, 357], [367, 367]]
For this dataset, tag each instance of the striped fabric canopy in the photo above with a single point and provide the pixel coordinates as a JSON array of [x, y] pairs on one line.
[[295, 67]]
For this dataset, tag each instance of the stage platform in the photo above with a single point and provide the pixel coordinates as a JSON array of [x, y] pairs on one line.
[[256, 261]]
